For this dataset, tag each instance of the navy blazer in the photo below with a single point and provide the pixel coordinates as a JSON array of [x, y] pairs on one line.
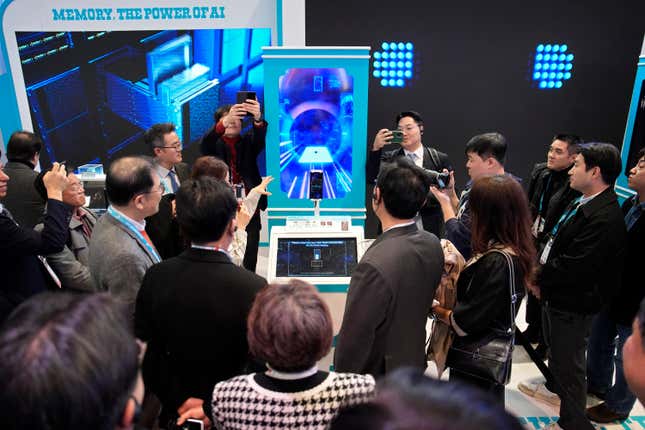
[[23, 275]]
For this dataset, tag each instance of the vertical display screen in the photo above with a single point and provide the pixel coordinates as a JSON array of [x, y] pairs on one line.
[[316, 122]]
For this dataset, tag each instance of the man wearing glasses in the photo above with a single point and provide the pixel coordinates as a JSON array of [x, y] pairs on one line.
[[120, 249], [166, 148], [411, 124]]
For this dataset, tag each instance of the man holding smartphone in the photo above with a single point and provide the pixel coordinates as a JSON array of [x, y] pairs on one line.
[[410, 124], [240, 152]]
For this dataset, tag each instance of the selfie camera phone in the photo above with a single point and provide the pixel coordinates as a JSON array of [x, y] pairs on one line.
[[397, 136], [316, 184], [243, 96]]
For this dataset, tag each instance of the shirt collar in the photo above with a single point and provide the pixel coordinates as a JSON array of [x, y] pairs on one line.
[[418, 152], [138, 225], [635, 202], [586, 200], [403, 224], [162, 171]]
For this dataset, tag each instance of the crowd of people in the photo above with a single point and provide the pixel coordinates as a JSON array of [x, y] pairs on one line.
[[161, 291]]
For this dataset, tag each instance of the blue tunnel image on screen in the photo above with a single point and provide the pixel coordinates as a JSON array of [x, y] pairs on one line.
[[316, 120]]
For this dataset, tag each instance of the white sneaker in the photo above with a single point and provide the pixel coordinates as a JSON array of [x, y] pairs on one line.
[[539, 391]]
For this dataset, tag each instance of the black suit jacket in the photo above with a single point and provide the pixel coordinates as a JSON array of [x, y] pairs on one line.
[[628, 297], [162, 227], [192, 309], [22, 274], [23, 201], [247, 150], [431, 214], [388, 302], [586, 259], [557, 195]]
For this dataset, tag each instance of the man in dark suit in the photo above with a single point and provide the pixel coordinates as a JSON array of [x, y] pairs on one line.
[[240, 153], [165, 146], [615, 320], [411, 124], [22, 200], [192, 308], [549, 194], [23, 271], [581, 261], [393, 285]]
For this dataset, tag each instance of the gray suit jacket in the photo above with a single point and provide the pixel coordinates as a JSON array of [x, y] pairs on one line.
[[118, 260], [388, 302], [72, 263], [22, 200]]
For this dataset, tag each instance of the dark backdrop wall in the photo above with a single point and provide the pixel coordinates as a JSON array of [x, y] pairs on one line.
[[473, 68]]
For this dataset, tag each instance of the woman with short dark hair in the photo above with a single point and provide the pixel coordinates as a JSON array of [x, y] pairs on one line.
[[500, 227], [289, 328]]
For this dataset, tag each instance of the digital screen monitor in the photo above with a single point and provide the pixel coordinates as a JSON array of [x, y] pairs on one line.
[[316, 257], [316, 122]]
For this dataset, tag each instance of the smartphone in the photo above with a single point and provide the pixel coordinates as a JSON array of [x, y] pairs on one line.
[[191, 424], [397, 136], [315, 184], [243, 96]]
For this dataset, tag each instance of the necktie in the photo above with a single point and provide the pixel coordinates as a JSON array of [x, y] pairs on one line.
[[174, 184], [412, 156]]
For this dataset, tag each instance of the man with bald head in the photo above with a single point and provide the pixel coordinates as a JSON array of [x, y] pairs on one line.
[[120, 249]]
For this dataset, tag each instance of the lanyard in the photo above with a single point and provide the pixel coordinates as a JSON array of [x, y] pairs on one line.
[[566, 216], [151, 249], [546, 187], [212, 248]]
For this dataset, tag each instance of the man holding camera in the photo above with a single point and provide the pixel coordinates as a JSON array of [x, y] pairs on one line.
[[485, 154], [240, 153], [408, 135]]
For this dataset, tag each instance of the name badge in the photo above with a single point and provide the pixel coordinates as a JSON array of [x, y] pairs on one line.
[[538, 226], [545, 252]]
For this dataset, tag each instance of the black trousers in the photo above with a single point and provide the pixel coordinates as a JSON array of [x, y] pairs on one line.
[[252, 242], [567, 335]]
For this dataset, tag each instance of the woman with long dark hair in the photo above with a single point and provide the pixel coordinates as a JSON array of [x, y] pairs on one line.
[[500, 228]]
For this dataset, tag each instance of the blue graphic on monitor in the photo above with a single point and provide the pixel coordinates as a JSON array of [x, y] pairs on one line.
[[316, 120], [552, 65], [393, 65]]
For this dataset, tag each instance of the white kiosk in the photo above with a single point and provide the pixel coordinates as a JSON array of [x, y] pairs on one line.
[[322, 251]]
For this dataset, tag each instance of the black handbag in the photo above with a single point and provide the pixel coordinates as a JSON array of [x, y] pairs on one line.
[[488, 356]]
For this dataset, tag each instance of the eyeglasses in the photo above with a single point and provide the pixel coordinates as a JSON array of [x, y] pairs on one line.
[[159, 189], [407, 128], [176, 147]]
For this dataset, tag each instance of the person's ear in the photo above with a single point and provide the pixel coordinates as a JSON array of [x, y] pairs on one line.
[[127, 417], [376, 195], [138, 201], [156, 151]]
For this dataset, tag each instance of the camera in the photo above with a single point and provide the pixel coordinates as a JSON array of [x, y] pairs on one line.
[[438, 179]]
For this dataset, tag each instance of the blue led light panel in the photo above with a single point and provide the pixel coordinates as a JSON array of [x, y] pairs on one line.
[[552, 65], [393, 64]]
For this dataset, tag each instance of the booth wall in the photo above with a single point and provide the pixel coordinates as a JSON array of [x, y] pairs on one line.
[[473, 66]]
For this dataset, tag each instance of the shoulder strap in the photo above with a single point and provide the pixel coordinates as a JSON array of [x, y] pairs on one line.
[[434, 156], [511, 271]]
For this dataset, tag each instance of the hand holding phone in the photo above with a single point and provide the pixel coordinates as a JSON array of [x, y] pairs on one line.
[[397, 136]]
